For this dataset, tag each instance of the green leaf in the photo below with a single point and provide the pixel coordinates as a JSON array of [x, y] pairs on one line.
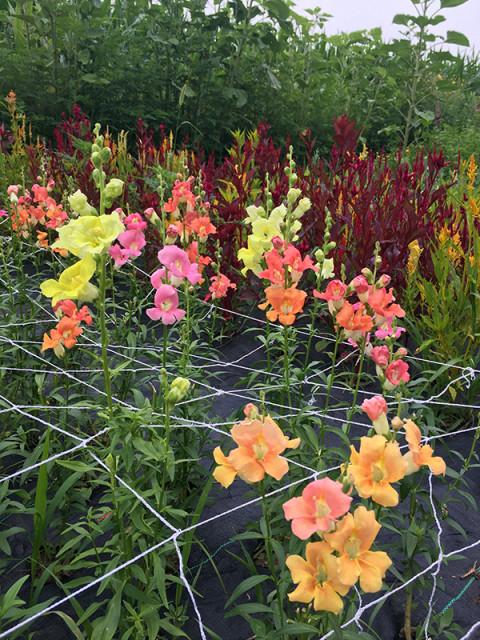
[[91, 78], [10, 600], [277, 8], [248, 608], [70, 624], [294, 629], [447, 4], [455, 37], [174, 631], [75, 465], [107, 627], [244, 586], [402, 18]]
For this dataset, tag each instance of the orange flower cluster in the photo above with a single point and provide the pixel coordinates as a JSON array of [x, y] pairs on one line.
[[344, 556], [29, 211], [189, 216], [334, 565], [65, 334], [284, 266], [260, 444]]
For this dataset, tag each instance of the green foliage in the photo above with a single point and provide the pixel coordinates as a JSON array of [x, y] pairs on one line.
[[204, 73]]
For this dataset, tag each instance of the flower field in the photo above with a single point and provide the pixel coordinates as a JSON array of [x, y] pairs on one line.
[[239, 399]]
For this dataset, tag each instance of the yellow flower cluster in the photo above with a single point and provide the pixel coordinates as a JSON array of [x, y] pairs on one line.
[[85, 237], [266, 227]]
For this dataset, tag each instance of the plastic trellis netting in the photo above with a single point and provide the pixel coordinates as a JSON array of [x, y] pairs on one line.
[[236, 397]]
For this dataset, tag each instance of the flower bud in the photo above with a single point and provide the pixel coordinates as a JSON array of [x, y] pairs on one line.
[[251, 411], [178, 390], [114, 188], [105, 154], [97, 159], [368, 275], [292, 195], [397, 423], [278, 245], [79, 204], [347, 484], [383, 281], [111, 463]]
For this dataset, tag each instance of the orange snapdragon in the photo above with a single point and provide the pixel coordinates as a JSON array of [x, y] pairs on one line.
[[352, 539], [375, 467], [64, 336], [354, 320], [260, 443], [417, 455], [319, 578], [286, 303]]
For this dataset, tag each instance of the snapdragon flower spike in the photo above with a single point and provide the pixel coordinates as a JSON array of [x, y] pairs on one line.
[[166, 305]]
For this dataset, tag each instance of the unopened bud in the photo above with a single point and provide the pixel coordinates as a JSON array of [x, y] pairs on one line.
[[178, 390], [347, 484], [111, 463], [97, 159], [105, 154], [397, 423], [368, 275], [278, 244], [114, 188], [251, 411]]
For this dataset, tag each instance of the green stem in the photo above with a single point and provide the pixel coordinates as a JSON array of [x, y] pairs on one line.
[[311, 332], [286, 365], [167, 447], [116, 510], [407, 624], [164, 346], [268, 549], [103, 327], [357, 386], [329, 390], [186, 344]]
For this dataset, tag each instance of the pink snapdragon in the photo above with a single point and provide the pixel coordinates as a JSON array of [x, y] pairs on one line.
[[219, 286], [176, 261], [362, 288], [381, 356], [166, 305], [133, 240], [376, 409], [386, 329], [334, 295], [322, 502], [396, 372], [121, 256], [134, 222]]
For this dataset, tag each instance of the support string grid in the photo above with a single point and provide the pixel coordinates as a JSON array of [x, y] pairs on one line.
[[87, 443]]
